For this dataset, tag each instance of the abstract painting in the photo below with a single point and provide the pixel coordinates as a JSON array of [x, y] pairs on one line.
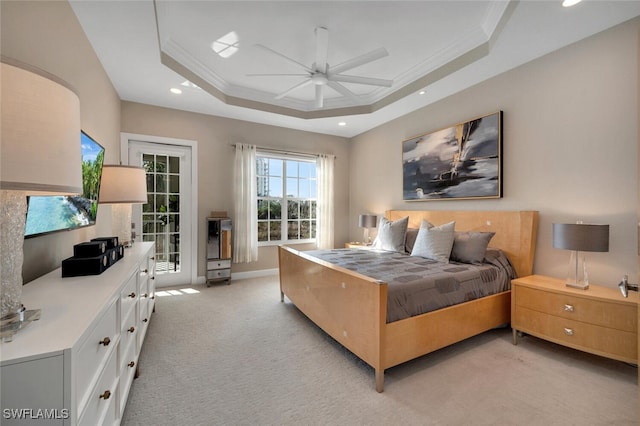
[[463, 161]]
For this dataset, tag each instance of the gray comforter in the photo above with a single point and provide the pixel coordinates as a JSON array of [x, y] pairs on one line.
[[417, 285]]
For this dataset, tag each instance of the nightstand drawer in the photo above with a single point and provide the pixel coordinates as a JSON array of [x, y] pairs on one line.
[[604, 341], [597, 312]]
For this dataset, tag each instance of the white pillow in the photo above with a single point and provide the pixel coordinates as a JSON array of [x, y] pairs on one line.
[[391, 234], [434, 242]]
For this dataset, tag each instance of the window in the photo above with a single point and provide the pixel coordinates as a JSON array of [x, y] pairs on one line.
[[286, 194]]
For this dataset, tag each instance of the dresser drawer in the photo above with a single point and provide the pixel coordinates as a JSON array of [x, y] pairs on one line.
[[600, 340], [219, 264], [93, 353], [102, 403], [128, 298], [597, 312], [218, 273], [127, 372]]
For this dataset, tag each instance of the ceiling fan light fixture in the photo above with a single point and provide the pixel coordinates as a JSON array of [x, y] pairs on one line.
[[319, 79], [227, 45], [569, 3]]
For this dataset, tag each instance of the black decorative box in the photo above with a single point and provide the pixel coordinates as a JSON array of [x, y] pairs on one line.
[[112, 242], [90, 249], [115, 254], [80, 266]]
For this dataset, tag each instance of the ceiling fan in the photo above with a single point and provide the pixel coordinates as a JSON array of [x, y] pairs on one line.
[[320, 74]]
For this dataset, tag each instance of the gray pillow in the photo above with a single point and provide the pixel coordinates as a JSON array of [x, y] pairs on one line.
[[410, 239], [434, 242], [391, 235], [470, 247]]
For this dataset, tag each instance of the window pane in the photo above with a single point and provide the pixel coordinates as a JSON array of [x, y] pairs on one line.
[[292, 231], [293, 209], [263, 233], [275, 187], [275, 209], [303, 188], [174, 165], [314, 209], [276, 231], [305, 169], [149, 206], [263, 209], [161, 185], [174, 203], [304, 210], [275, 167], [313, 192], [161, 163], [262, 186], [174, 183], [161, 203], [292, 187], [292, 168], [305, 229]]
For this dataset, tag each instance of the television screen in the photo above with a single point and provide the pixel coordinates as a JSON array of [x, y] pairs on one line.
[[51, 213]]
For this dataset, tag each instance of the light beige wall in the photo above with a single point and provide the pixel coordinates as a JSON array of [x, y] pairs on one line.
[[570, 148], [47, 35], [215, 135]]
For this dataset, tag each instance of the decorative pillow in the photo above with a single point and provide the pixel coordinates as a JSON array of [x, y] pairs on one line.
[[434, 242], [410, 239], [391, 235], [470, 247]]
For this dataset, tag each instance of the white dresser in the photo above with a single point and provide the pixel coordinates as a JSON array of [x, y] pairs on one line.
[[76, 364]]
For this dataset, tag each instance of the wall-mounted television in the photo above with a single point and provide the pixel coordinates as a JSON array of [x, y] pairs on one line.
[[52, 213]]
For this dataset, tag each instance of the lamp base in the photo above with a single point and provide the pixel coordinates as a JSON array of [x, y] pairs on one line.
[[581, 286], [11, 323]]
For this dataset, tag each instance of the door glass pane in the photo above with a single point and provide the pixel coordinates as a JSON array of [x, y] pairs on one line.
[[161, 214]]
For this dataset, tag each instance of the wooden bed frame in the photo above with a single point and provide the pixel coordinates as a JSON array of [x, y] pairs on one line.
[[351, 307]]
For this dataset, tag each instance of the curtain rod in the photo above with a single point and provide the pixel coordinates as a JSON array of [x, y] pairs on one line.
[[284, 151]]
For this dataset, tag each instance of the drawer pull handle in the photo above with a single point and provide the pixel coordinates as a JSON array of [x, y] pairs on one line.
[[131, 329], [153, 278], [152, 258], [106, 395], [145, 295], [131, 364], [146, 271], [568, 331], [145, 320], [568, 308], [105, 341], [132, 295]]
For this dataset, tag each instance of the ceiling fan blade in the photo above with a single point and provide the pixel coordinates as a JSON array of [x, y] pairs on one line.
[[319, 95], [343, 91], [296, 87], [322, 49], [277, 75], [361, 80], [378, 53], [286, 58]]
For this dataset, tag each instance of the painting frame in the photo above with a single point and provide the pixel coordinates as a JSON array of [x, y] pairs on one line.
[[459, 162]]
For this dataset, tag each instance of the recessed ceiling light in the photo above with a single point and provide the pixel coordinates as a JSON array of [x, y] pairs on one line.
[[175, 91], [226, 45], [422, 92], [342, 123], [569, 3], [189, 84]]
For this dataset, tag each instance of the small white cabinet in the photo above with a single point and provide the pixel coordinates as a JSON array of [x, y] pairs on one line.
[[76, 364]]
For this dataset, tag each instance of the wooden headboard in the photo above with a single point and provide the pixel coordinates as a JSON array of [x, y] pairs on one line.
[[516, 231]]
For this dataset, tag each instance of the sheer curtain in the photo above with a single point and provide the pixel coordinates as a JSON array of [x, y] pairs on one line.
[[324, 236], [245, 224]]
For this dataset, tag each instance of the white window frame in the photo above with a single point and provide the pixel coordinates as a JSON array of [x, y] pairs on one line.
[[284, 211]]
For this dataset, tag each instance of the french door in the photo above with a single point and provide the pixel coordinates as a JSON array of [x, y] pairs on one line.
[[167, 217]]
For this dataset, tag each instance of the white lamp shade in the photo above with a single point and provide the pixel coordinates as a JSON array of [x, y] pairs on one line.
[[123, 184], [40, 134]]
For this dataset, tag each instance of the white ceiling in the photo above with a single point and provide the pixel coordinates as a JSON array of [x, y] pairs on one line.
[[443, 47]]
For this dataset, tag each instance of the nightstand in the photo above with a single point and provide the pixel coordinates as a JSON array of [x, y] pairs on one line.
[[356, 244], [598, 320]]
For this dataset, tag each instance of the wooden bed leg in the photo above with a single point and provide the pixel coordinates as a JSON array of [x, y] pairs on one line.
[[379, 380], [281, 296], [515, 336]]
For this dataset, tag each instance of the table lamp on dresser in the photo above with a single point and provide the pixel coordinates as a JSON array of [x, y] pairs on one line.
[[40, 146], [580, 237]]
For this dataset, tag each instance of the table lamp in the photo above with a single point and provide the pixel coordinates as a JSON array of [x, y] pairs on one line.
[[122, 186], [367, 221], [580, 237], [40, 155]]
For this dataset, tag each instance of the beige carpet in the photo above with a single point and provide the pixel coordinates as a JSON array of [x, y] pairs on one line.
[[236, 355]]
